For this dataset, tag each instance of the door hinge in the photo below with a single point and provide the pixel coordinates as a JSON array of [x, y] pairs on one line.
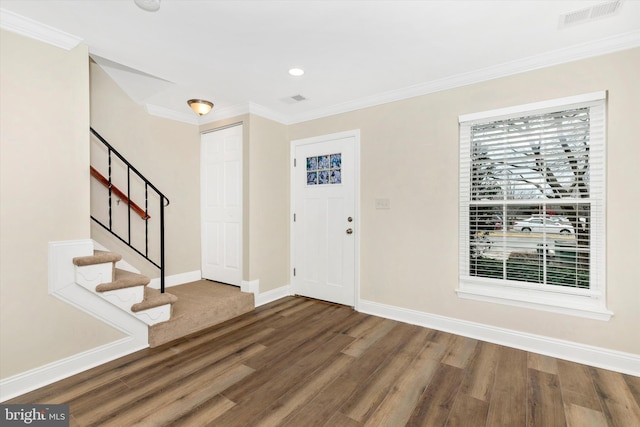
[[294, 272], [294, 217], [294, 162]]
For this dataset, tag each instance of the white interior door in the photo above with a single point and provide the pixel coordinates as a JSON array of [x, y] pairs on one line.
[[221, 201], [325, 226]]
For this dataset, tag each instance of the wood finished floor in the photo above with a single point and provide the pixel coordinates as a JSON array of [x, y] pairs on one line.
[[299, 362]]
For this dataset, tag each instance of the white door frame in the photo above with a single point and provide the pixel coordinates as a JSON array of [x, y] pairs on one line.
[[241, 199], [355, 133]]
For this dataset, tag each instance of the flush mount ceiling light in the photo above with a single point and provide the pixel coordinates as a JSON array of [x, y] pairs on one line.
[[148, 5], [296, 72], [200, 106]]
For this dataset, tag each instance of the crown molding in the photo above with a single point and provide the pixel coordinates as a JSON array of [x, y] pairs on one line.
[[267, 113], [574, 53], [226, 113], [167, 113], [247, 108], [27, 27], [35, 30], [561, 56]]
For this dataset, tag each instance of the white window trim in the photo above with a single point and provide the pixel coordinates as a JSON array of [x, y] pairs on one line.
[[589, 303]]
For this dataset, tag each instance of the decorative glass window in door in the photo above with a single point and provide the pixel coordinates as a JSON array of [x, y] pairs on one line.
[[325, 169]]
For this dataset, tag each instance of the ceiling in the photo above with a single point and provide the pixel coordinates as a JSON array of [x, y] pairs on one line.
[[354, 53]]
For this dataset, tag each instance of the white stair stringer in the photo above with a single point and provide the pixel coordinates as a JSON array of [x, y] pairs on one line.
[[79, 289], [124, 298], [62, 285], [90, 276], [155, 315]]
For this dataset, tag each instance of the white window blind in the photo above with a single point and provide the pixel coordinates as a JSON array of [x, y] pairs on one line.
[[532, 205]]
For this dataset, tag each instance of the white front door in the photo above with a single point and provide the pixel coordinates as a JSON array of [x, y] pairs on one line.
[[221, 201], [325, 221]]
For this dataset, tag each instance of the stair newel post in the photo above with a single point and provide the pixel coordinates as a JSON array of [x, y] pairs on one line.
[[161, 244], [109, 174], [129, 203], [146, 221]]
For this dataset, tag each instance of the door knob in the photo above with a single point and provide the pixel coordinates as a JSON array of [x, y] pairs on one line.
[[350, 219], [349, 231]]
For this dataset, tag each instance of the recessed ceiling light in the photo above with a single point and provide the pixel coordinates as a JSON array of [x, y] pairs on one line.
[[297, 72], [148, 5]]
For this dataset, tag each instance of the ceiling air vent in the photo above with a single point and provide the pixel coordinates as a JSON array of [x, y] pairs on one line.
[[590, 13], [293, 99]]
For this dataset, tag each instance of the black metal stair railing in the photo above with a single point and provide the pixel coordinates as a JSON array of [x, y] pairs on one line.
[[126, 197]]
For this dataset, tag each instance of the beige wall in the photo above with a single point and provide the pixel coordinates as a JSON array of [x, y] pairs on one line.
[[409, 154], [44, 197], [269, 204], [166, 152], [266, 199]]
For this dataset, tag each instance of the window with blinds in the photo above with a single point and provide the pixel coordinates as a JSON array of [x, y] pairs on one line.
[[532, 204]]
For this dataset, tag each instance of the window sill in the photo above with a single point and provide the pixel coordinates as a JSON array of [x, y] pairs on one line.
[[584, 304]]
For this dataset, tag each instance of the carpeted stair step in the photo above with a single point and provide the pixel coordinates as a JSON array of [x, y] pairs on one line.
[[153, 298], [201, 304], [98, 257], [124, 289], [123, 279]]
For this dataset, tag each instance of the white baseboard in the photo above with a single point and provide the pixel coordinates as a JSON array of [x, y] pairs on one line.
[[176, 279], [263, 298], [252, 286], [618, 361], [272, 295], [64, 368]]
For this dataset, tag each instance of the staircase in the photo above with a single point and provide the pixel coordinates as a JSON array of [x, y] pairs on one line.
[[188, 309], [127, 290]]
